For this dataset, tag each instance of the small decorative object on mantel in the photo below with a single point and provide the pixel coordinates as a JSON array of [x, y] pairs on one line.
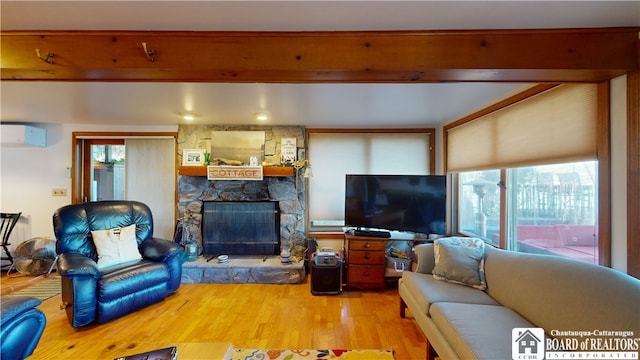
[[288, 150], [193, 157], [285, 256], [223, 161], [308, 173]]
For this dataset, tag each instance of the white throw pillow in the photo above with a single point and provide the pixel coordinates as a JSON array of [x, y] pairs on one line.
[[460, 260], [116, 246]]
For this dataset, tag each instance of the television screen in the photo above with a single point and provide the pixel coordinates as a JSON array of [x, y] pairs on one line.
[[413, 203]]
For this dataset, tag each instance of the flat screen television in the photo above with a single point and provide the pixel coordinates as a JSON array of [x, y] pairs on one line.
[[411, 203]]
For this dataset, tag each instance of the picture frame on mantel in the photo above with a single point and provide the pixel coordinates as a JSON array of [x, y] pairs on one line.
[[288, 151], [193, 157]]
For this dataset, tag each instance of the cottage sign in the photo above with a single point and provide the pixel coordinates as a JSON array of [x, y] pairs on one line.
[[234, 172]]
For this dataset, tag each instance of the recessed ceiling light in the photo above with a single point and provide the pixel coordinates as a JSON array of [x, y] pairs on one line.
[[189, 115], [262, 115]]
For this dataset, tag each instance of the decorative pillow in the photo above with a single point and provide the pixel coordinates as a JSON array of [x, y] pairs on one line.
[[116, 246], [460, 260]]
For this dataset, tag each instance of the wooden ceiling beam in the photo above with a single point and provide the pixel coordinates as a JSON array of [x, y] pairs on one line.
[[565, 55]]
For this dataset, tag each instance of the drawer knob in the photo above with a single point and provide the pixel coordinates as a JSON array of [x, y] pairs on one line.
[[367, 245], [366, 256]]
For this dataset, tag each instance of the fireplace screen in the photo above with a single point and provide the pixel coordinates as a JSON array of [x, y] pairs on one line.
[[241, 228]]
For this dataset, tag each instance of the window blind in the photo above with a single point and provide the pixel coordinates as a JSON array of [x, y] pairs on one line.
[[333, 155], [558, 125]]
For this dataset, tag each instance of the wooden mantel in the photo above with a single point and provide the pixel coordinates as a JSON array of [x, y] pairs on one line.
[[267, 171], [544, 55]]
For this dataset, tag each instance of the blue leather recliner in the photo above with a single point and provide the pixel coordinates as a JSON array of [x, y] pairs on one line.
[[21, 326], [91, 294]]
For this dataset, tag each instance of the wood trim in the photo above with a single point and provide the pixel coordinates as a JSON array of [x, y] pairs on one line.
[[119, 135], [445, 146], [504, 230], [373, 131], [538, 55], [604, 173], [76, 170], [633, 173], [328, 235]]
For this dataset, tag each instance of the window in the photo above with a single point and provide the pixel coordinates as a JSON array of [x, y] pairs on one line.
[[333, 154], [552, 210], [104, 169], [479, 205], [529, 179]]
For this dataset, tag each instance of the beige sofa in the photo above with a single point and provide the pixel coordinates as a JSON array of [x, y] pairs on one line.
[[523, 291]]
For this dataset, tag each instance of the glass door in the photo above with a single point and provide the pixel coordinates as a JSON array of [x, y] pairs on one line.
[[104, 169]]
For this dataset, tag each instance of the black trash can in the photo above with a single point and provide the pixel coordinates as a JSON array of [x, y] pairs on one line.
[[326, 274]]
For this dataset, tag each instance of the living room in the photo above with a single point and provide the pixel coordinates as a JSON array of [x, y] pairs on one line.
[[29, 174]]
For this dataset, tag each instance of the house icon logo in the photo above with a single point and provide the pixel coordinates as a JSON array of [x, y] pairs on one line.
[[527, 344]]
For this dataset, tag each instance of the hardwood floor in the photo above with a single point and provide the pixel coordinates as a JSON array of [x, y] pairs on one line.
[[251, 316]]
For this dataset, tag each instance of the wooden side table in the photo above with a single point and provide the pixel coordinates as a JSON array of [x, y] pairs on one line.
[[365, 261]]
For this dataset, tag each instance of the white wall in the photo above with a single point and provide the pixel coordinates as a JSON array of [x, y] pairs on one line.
[[619, 173], [28, 174]]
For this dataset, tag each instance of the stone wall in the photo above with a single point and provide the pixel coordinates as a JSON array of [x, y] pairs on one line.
[[193, 190]]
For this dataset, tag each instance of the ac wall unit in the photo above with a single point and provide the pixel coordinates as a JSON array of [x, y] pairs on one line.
[[22, 135]]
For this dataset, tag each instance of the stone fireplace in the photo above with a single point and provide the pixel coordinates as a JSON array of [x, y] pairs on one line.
[[289, 198]]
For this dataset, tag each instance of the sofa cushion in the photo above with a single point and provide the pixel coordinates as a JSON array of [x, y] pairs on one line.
[[428, 291], [123, 281], [460, 261], [125, 289], [116, 246], [477, 331]]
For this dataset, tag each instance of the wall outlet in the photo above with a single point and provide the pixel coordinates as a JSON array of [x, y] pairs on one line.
[[58, 192]]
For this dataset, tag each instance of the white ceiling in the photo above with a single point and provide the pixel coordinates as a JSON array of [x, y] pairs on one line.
[[312, 105]]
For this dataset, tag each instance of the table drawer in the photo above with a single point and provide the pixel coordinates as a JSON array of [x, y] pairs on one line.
[[365, 274], [366, 245], [366, 257]]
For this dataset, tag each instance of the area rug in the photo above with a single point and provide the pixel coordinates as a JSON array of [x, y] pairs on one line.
[[43, 290], [273, 354]]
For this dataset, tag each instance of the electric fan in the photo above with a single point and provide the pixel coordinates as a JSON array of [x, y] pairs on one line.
[[34, 257]]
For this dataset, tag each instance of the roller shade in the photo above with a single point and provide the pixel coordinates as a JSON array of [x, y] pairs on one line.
[[335, 154], [558, 125]]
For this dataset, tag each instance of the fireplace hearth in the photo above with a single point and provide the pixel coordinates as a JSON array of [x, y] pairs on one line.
[[243, 269]]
